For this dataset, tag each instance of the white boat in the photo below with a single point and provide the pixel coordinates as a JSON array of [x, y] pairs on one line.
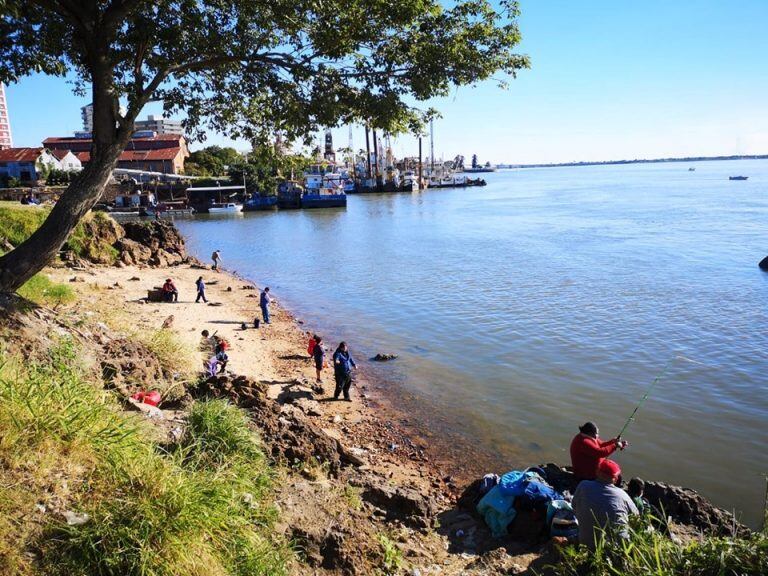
[[225, 207]]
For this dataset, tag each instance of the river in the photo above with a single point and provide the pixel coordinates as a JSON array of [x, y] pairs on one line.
[[550, 297]]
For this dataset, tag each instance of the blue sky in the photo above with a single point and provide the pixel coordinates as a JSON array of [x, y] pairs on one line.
[[609, 80]]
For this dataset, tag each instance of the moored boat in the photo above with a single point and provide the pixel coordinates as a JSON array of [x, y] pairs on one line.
[[258, 203], [289, 194], [737, 177], [225, 207]]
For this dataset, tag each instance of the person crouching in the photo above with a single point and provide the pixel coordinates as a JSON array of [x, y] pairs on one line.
[[601, 505]]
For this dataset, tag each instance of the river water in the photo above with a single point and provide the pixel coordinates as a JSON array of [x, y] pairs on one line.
[[549, 297]]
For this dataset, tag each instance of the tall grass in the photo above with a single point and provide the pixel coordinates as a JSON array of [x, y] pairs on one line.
[[176, 357], [202, 509], [17, 222], [650, 553]]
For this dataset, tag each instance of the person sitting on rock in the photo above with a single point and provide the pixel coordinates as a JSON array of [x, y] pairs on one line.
[[635, 489], [601, 505], [587, 451], [170, 293]]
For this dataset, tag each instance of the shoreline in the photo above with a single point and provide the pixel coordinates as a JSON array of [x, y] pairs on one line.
[[386, 400], [276, 354]]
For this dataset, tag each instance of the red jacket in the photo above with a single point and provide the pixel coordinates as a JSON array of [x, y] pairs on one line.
[[587, 453]]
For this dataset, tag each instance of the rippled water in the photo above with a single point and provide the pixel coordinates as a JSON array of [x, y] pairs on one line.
[[550, 297]]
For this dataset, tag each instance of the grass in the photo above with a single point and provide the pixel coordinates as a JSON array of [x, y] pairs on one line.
[[650, 553], [43, 291], [201, 509], [17, 221], [90, 239], [175, 356]]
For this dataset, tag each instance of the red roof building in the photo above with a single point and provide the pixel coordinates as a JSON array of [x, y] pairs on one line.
[[159, 153]]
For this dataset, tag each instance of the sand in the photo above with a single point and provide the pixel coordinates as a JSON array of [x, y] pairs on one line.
[[274, 353]]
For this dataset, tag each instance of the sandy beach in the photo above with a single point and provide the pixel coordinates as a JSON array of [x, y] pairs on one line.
[[274, 353]]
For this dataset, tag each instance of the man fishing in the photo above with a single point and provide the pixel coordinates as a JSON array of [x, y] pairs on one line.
[[588, 451]]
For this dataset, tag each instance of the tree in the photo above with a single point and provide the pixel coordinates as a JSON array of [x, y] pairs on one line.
[[214, 160], [248, 68]]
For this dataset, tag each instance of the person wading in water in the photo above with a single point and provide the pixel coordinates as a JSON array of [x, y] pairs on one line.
[[342, 370]]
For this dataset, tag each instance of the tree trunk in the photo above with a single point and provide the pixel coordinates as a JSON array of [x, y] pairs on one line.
[[32, 255], [41, 247]]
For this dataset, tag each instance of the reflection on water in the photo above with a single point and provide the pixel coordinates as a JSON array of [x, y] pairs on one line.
[[547, 298]]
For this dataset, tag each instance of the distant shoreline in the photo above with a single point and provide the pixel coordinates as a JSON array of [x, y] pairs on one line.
[[640, 161]]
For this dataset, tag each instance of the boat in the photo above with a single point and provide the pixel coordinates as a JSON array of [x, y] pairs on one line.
[[224, 207], [289, 194], [258, 203], [215, 199], [323, 199], [410, 181], [691, 169], [477, 167], [326, 185], [737, 177]]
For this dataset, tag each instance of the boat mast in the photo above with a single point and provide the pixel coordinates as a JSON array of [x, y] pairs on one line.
[[421, 168], [432, 143], [367, 153]]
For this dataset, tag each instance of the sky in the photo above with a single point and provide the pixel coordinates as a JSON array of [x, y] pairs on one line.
[[608, 80]]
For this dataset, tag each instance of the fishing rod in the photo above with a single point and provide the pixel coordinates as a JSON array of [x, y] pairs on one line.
[[647, 392]]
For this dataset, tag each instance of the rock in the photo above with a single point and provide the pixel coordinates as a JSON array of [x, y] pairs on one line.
[[77, 279], [132, 252], [402, 503], [75, 519], [168, 322], [764, 264], [384, 357], [99, 235], [684, 505], [352, 456], [289, 435], [128, 366], [162, 239], [134, 279]]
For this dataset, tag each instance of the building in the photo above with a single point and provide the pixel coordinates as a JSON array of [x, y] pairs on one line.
[[86, 113], [26, 164], [6, 141], [67, 160], [160, 125], [164, 153]]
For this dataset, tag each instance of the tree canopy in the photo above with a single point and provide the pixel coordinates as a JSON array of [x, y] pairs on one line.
[[246, 68]]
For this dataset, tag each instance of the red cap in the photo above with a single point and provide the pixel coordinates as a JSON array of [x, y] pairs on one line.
[[609, 468]]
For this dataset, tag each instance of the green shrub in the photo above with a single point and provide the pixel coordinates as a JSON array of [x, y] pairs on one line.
[[392, 557]]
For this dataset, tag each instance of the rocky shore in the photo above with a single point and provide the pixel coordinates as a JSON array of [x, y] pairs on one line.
[[352, 483]]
